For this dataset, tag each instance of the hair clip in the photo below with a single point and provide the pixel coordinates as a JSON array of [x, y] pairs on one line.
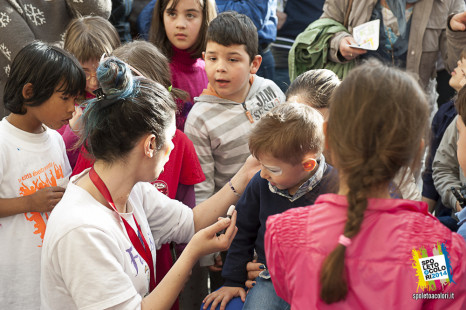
[[99, 94], [169, 88], [344, 241]]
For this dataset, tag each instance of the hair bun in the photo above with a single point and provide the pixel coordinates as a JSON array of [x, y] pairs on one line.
[[115, 78]]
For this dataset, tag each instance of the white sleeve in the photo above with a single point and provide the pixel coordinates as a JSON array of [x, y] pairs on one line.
[[91, 264], [169, 219]]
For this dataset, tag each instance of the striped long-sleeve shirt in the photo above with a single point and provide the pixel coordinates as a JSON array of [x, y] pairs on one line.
[[219, 130]]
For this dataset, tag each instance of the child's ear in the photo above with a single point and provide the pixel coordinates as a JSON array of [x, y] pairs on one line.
[[203, 56], [309, 164], [28, 91], [149, 146], [255, 64]]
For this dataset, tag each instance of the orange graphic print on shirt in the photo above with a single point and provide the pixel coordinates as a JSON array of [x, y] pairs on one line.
[[34, 181]]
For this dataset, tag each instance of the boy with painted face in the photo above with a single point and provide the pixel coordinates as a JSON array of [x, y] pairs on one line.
[[288, 142]]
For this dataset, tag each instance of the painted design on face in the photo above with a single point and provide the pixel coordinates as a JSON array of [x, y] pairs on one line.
[[275, 170]]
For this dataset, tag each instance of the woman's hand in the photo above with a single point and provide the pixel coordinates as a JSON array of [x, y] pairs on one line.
[[458, 22], [348, 52], [205, 241]]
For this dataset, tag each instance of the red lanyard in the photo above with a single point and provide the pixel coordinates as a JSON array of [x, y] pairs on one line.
[[144, 251]]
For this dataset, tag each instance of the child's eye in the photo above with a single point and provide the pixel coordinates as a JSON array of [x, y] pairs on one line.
[[212, 58], [233, 60], [190, 15], [65, 98]]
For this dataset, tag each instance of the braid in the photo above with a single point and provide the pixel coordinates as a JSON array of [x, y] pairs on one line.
[[375, 126]]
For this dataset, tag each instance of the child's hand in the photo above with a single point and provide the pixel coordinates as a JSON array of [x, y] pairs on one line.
[[45, 199], [75, 122], [205, 241], [253, 268], [223, 296], [217, 266]]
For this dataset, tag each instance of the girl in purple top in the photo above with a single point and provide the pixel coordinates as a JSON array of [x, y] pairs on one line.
[[179, 30]]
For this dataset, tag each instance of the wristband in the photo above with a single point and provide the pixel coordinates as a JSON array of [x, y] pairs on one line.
[[233, 188]]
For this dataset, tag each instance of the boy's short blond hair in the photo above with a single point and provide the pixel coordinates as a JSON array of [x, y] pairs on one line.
[[88, 37], [288, 132]]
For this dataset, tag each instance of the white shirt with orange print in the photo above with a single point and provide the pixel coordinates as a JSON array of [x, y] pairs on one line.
[[28, 163]]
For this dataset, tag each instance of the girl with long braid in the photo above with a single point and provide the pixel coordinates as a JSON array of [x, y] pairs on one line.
[[354, 249]]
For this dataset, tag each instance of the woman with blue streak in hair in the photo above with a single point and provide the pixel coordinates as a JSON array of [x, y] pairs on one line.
[[99, 249]]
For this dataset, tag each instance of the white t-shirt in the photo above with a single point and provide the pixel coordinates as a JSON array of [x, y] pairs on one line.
[[28, 162], [88, 260]]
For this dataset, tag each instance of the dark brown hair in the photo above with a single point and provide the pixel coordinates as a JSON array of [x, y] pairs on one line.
[[87, 38], [158, 36], [131, 108], [377, 120], [230, 28], [288, 132], [48, 68]]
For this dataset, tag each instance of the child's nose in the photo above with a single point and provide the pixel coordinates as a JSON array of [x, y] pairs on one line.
[[71, 105], [221, 66], [180, 23]]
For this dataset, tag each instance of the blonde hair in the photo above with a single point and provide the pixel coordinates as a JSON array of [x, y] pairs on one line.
[[378, 117], [88, 37], [315, 87]]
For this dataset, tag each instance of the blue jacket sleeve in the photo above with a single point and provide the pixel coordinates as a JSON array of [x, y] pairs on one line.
[[262, 13], [241, 250], [145, 19]]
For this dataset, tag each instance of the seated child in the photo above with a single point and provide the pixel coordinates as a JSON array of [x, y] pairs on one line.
[[360, 249], [233, 102], [288, 142], [87, 38]]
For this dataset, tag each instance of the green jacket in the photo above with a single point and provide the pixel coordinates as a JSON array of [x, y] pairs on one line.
[[311, 48]]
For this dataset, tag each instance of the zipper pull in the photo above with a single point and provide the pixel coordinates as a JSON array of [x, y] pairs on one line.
[[248, 114]]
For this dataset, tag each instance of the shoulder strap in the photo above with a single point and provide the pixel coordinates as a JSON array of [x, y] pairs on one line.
[[348, 11]]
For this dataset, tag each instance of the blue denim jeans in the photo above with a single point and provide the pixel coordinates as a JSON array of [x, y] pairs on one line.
[[263, 295]]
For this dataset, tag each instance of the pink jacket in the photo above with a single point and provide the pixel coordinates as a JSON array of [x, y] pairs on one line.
[[378, 262]]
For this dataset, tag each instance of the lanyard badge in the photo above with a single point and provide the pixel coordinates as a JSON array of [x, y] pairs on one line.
[[139, 244]]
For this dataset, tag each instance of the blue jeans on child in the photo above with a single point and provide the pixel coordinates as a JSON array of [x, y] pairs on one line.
[[261, 296]]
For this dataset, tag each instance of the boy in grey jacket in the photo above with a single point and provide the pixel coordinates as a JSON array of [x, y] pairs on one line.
[[235, 99]]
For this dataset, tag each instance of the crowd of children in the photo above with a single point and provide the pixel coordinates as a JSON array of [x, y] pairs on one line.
[[127, 158]]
